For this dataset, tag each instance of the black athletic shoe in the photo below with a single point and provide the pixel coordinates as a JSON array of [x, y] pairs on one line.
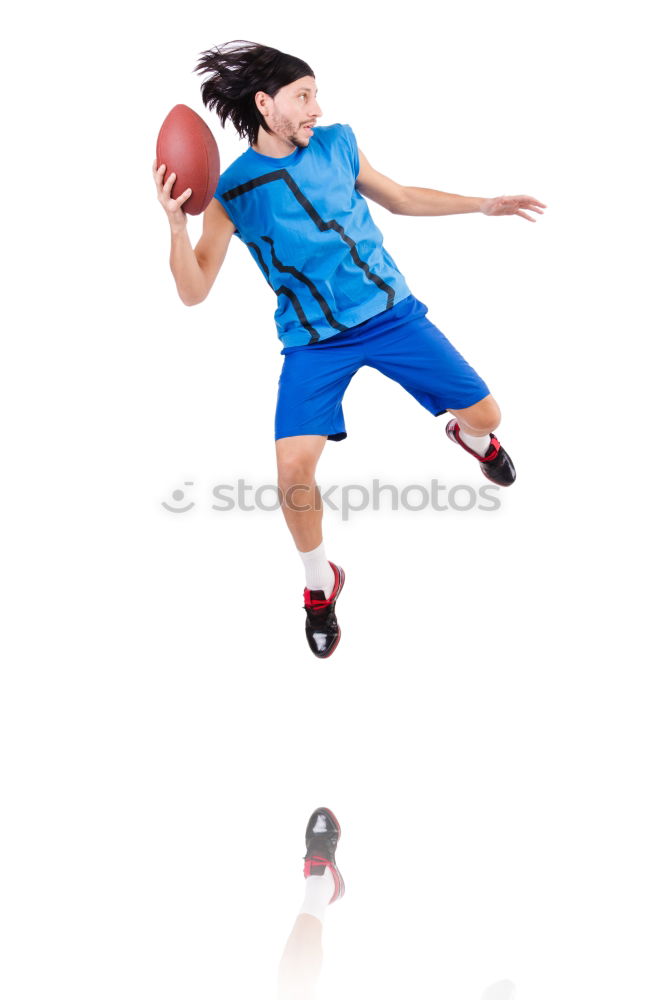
[[496, 465], [322, 836], [322, 628]]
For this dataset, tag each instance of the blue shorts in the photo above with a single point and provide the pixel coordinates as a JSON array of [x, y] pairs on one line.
[[399, 342]]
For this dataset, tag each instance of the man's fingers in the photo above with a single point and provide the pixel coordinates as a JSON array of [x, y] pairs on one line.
[[167, 187], [517, 204], [524, 198], [530, 202], [182, 198], [158, 176]]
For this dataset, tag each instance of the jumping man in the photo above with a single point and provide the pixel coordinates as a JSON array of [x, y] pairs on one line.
[[296, 198]]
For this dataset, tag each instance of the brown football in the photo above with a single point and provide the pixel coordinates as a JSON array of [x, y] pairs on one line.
[[187, 147]]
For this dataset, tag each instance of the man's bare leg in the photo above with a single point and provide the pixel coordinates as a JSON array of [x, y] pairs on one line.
[[297, 459], [480, 419], [302, 960], [301, 503], [472, 429]]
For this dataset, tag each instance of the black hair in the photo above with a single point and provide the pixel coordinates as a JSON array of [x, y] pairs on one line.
[[237, 70]]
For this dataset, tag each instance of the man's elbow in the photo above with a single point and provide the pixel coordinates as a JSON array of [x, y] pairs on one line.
[[193, 298], [399, 203]]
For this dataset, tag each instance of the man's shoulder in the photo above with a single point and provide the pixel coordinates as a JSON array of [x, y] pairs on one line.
[[339, 143], [329, 130], [331, 133], [235, 171], [334, 140]]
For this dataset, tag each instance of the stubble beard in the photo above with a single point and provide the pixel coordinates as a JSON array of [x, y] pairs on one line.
[[288, 130]]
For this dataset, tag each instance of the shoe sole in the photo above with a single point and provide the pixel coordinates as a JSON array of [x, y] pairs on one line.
[[333, 648]]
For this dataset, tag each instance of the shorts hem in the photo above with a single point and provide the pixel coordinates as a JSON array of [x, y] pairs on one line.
[[337, 436], [462, 406]]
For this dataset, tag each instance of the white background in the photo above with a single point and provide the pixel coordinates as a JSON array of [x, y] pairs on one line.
[[488, 730]]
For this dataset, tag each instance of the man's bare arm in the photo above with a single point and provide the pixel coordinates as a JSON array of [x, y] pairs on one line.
[[211, 248], [196, 270], [401, 200]]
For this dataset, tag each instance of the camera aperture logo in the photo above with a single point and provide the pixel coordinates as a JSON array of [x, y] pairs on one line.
[[348, 498]]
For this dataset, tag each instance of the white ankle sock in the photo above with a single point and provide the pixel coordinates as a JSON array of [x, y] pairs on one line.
[[319, 575], [319, 890], [478, 444]]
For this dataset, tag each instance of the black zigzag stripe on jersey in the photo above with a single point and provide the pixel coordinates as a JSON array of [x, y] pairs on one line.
[[323, 226], [260, 259], [303, 319], [324, 305]]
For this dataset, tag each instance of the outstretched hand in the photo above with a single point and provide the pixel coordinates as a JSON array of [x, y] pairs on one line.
[[513, 204]]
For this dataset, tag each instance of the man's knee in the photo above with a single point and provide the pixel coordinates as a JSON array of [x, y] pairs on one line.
[[296, 467], [481, 418]]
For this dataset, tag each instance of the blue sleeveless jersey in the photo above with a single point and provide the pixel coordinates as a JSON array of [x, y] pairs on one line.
[[311, 234]]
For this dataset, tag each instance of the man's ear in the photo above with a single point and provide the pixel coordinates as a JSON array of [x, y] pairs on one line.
[[261, 101]]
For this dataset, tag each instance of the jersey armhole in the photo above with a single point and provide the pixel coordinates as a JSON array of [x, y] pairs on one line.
[[221, 200], [353, 149]]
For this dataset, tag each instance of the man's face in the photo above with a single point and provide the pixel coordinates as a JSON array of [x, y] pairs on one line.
[[292, 112]]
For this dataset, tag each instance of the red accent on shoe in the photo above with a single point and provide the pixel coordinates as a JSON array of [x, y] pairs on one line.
[[314, 602], [491, 455], [314, 862], [492, 451], [338, 882]]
